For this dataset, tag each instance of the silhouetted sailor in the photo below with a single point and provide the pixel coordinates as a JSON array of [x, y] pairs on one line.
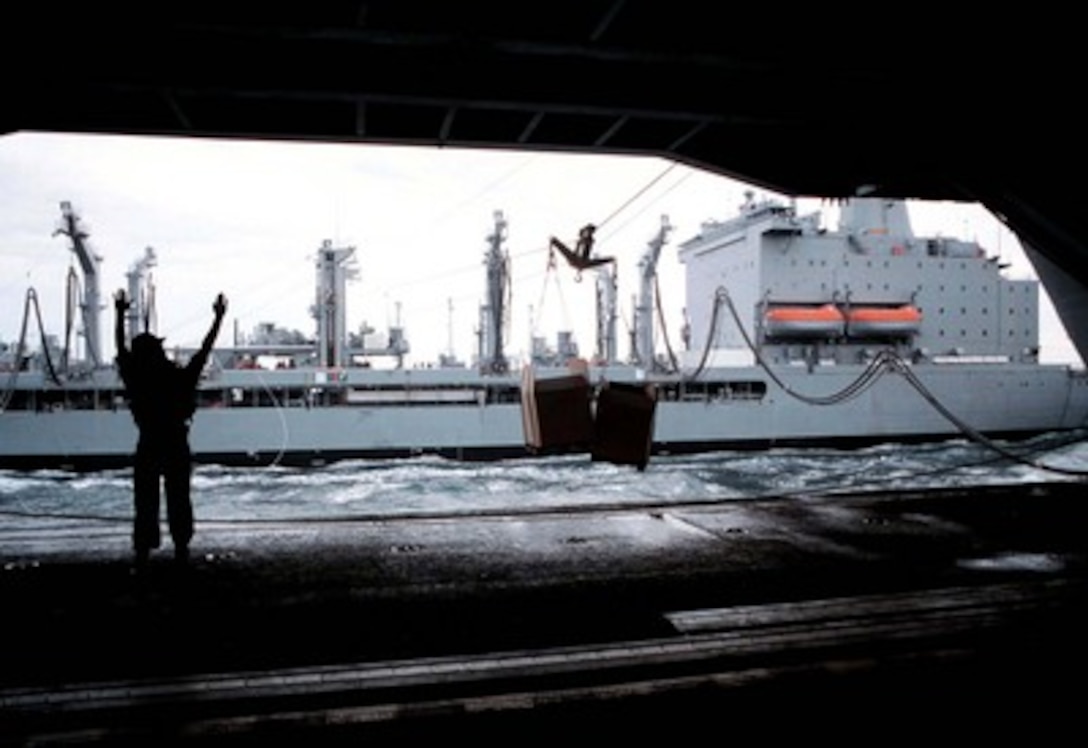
[[579, 257], [162, 398]]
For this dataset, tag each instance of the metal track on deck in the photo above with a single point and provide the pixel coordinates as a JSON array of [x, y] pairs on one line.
[[720, 648]]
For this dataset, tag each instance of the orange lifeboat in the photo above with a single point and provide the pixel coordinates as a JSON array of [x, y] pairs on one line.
[[865, 321], [824, 321]]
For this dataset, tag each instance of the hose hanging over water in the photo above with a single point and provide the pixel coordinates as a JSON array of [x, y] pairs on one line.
[[904, 370], [73, 301], [887, 361], [661, 323], [880, 364], [30, 302]]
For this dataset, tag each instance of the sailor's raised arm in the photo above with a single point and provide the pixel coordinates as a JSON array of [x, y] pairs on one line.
[[120, 305], [220, 310]]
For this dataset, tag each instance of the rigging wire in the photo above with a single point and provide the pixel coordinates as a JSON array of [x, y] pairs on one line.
[[683, 178], [622, 207], [551, 274], [637, 195], [626, 204]]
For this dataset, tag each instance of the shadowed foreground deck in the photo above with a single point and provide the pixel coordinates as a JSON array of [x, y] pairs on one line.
[[943, 610]]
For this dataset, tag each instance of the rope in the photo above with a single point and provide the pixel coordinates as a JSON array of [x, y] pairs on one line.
[[284, 430], [543, 292]]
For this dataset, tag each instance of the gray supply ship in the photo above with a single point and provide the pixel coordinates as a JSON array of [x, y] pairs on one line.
[[796, 335]]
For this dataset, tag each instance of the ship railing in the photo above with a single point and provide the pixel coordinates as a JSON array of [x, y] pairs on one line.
[[970, 359]]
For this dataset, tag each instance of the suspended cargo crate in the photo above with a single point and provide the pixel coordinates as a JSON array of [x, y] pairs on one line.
[[556, 412], [624, 424]]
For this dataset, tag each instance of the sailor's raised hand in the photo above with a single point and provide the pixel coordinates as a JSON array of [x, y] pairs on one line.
[[121, 302], [220, 305]]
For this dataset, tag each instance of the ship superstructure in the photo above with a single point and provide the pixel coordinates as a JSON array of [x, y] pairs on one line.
[[807, 295]]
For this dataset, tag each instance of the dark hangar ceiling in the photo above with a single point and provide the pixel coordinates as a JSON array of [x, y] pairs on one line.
[[805, 101]]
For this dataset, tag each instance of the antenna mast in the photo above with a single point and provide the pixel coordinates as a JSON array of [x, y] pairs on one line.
[[334, 269], [493, 312]]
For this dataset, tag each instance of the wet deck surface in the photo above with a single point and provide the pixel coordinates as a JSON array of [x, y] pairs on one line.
[[948, 604]]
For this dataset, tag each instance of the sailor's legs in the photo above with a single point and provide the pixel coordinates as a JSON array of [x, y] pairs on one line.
[[145, 530], [179, 507], [173, 469]]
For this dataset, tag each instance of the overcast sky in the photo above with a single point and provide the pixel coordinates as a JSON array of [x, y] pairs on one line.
[[246, 218]]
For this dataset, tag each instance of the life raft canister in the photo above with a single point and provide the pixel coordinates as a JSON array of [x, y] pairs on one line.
[[875, 321], [822, 321]]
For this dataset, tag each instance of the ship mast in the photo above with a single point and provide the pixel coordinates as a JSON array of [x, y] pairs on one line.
[[139, 317], [606, 313], [71, 226], [493, 312], [449, 358], [334, 268], [449, 330], [643, 353]]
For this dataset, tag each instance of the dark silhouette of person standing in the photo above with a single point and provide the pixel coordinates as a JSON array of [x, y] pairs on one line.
[[162, 397]]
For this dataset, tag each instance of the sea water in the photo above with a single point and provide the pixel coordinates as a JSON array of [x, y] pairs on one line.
[[44, 500]]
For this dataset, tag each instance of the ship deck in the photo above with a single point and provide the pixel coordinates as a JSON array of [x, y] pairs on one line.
[[932, 612]]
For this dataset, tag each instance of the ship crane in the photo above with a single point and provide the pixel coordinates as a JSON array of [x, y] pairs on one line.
[[71, 226], [643, 348]]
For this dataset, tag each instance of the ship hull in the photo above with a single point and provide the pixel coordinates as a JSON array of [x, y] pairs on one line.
[[997, 400]]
